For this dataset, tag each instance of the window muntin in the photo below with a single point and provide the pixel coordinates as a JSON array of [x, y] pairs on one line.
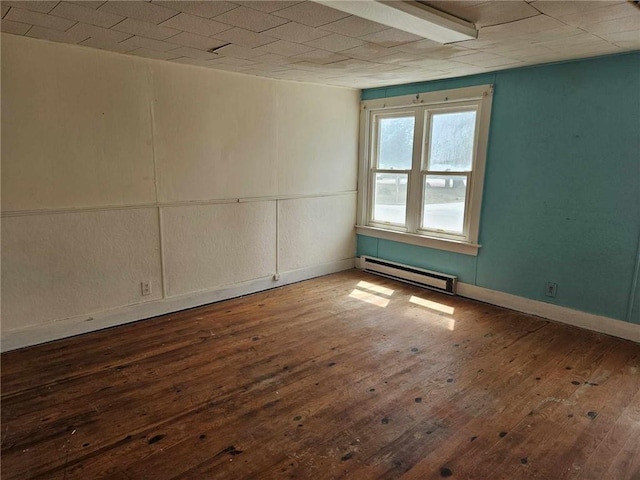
[[438, 196]]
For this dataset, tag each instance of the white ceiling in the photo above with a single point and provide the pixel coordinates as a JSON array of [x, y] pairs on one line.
[[306, 41]]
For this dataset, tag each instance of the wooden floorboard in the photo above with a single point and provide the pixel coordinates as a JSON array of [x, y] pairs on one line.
[[344, 376]]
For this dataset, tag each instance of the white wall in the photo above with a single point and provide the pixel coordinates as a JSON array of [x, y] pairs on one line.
[[118, 170]]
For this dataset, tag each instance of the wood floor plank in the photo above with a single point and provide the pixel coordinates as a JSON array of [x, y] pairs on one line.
[[344, 376]]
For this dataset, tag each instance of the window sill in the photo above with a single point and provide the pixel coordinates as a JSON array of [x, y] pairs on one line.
[[455, 246]]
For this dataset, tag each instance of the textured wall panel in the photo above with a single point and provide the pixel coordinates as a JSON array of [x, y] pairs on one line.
[[207, 246], [316, 230], [76, 127], [318, 139], [62, 265], [215, 134]]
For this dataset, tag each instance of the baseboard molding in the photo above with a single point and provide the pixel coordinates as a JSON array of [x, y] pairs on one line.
[[576, 318], [69, 327]]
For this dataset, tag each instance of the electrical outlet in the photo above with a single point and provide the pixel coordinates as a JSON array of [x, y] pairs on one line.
[[551, 289], [145, 288]]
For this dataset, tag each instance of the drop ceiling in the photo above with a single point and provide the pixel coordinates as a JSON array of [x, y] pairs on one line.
[[310, 42]]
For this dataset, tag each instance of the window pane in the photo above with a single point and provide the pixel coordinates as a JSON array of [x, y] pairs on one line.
[[390, 202], [395, 143], [451, 147], [443, 203]]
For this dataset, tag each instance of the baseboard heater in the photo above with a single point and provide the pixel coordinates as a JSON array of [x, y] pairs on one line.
[[416, 276]]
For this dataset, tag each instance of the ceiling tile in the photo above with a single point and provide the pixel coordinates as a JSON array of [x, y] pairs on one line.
[[532, 25], [265, 67], [367, 51], [496, 13], [16, 28], [398, 57], [202, 9], [312, 14], [623, 37], [39, 19], [626, 24], [102, 45], [282, 47], [604, 13], [4, 9], [145, 11], [144, 29], [438, 52], [195, 24], [54, 35], [268, 6], [308, 66], [149, 44], [486, 60], [296, 32], [238, 51], [564, 31], [245, 38], [582, 38], [192, 40], [354, 26], [351, 64], [240, 62], [250, 19], [143, 52], [90, 3], [34, 6], [71, 11], [390, 37], [579, 51], [418, 46], [524, 53], [426, 64], [562, 9], [86, 31], [273, 59], [321, 57], [335, 43], [193, 53]]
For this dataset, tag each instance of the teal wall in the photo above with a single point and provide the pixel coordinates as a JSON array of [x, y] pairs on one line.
[[562, 187]]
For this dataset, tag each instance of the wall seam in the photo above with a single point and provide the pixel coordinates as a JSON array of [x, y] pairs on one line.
[[150, 99], [634, 283]]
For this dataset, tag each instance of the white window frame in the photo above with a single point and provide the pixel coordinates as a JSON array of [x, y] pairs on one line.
[[423, 105]]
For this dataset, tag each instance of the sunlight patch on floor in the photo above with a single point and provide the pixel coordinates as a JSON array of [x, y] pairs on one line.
[[371, 298], [375, 288], [431, 305], [439, 320]]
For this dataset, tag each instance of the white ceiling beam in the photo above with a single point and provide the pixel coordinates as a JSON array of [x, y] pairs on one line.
[[409, 16]]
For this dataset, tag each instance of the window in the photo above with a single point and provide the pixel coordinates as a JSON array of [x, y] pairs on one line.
[[422, 167]]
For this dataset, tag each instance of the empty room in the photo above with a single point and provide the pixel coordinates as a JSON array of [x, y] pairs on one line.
[[320, 240]]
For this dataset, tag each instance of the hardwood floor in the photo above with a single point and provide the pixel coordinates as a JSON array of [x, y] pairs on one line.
[[344, 376]]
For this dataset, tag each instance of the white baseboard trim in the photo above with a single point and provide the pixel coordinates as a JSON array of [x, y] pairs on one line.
[[576, 318], [77, 325]]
